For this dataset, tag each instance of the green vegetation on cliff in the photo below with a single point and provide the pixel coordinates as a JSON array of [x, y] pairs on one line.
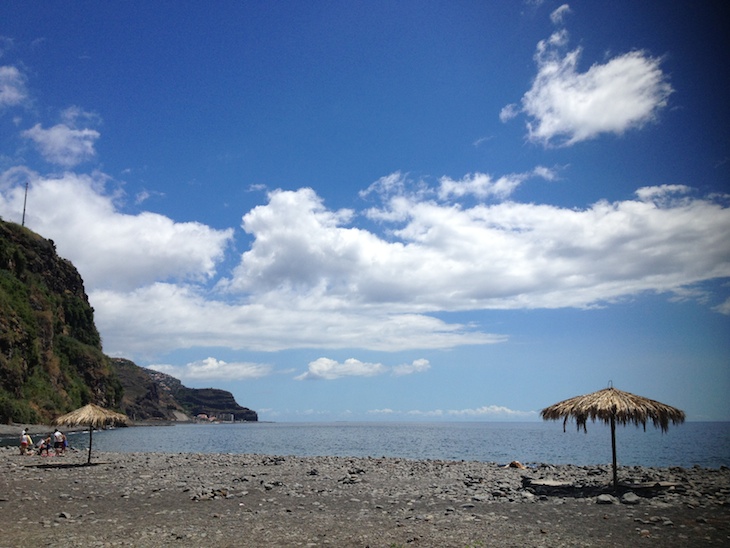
[[51, 359]]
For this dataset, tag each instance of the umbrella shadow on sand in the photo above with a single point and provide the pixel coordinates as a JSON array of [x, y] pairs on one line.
[[562, 489], [61, 465]]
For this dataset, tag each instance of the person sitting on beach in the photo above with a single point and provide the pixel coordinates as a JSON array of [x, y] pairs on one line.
[[44, 445], [58, 439], [25, 442]]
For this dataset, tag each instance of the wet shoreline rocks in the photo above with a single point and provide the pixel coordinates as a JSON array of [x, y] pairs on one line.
[[183, 499]]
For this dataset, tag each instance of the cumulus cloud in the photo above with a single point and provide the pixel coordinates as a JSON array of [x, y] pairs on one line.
[[111, 249], [484, 186], [163, 317], [325, 368], [505, 255], [566, 106], [213, 369], [312, 278], [328, 369], [479, 185]]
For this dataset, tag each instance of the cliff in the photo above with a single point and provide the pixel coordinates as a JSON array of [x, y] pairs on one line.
[[149, 394], [212, 402], [51, 358]]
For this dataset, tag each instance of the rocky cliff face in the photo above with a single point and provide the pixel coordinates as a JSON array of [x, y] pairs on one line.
[[51, 360], [50, 351], [144, 398], [212, 402], [149, 394]]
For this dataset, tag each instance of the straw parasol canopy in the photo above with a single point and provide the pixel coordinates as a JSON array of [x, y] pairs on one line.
[[92, 416], [612, 406]]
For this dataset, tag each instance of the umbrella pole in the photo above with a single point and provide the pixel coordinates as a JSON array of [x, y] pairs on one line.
[[91, 436], [613, 449]]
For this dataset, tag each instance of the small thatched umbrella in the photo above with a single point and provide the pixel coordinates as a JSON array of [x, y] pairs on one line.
[[614, 406], [92, 416]]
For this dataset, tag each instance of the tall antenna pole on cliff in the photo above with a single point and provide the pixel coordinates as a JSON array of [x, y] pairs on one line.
[[25, 200]]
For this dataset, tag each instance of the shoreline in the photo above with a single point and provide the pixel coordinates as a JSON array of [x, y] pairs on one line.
[[186, 499], [127, 440], [12, 430]]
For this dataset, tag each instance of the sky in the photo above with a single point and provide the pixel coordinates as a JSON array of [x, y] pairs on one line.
[[370, 211]]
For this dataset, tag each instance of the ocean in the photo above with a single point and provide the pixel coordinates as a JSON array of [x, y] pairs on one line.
[[706, 444]]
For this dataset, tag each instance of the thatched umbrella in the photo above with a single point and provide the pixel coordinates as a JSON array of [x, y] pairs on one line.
[[614, 406], [92, 416]]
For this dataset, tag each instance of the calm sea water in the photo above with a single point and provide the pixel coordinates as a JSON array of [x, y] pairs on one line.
[[706, 444]]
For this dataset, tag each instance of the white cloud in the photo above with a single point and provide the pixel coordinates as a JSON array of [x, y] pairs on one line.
[[506, 255], [559, 14], [74, 116], [63, 145], [213, 369], [12, 87], [549, 174], [328, 369], [492, 411], [432, 413], [662, 194], [385, 411], [163, 317], [566, 106], [508, 112], [485, 412], [723, 308], [479, 185], [111, 249], [311, 280], [417, 366], [484, 186], [325, 368]]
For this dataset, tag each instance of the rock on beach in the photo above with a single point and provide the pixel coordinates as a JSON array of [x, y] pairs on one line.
[[184, 499]]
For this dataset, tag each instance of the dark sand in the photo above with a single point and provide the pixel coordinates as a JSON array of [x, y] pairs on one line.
[[220, 500]]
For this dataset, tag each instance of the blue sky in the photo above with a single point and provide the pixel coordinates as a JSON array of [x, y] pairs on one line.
[[386, 210]]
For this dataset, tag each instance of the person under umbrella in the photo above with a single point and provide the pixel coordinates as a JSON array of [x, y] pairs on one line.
[[92, 416]]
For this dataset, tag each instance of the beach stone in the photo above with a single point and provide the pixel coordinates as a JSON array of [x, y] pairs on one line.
[[630, 498], [606, 499], [398, 500]]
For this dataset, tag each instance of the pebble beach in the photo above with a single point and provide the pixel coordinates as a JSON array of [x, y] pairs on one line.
[[185, 499]]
